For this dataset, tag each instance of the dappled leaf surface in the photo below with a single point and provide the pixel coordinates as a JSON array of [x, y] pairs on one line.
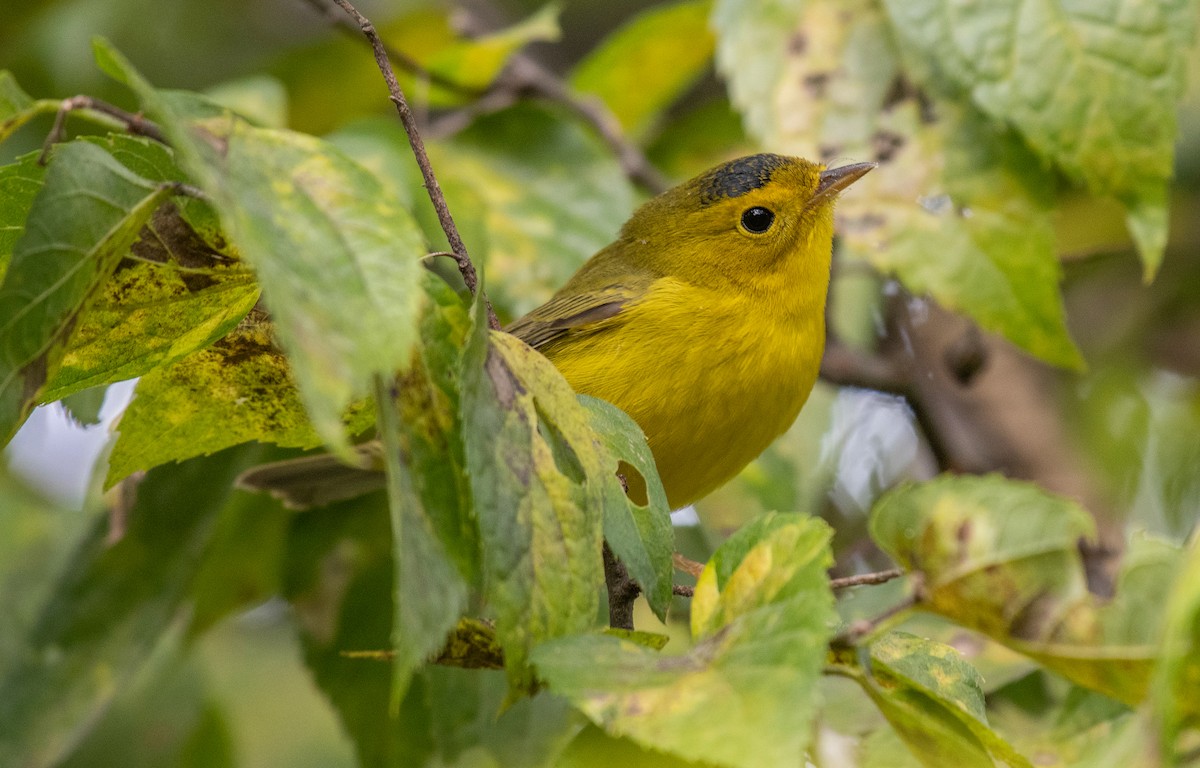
[[339, 253], [1001, 557], [1091, 87], [934, 700], [239, 389], [743, 695], [57, 270], [537, 474], [178, 289]]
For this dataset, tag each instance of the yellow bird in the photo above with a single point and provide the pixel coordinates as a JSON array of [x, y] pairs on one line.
[[704, 321]]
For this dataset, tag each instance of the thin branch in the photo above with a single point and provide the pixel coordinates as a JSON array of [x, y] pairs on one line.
[[690, 567], [418, 147], [133, 123], [847, 367], [864, 628], [524, 74], [881, 577]]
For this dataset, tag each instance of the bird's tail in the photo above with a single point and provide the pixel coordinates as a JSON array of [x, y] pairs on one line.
[[314, 481]]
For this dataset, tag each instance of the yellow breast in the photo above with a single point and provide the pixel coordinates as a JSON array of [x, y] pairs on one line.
[[710, 377]]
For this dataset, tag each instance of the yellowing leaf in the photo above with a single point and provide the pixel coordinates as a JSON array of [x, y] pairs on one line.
[[744, 694], [1092, 88], [1001, 557]]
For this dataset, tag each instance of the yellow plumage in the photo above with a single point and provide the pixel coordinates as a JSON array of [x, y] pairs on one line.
[[708, 333]]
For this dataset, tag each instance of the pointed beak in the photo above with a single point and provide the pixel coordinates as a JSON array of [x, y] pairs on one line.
[[834, 180]]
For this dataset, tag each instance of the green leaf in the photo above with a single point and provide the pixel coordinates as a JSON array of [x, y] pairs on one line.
[[547, 194], [429, 38], [337, 255], [537, 475], [475, 63], [13, 99], [82, 222], [239, 389], [459, 717], [643, 67], [18, 107], [1001, 557], [1173, 689], [109, 608], [163, 718], [934, 700], [19, 185], [641, 536], [243, 564], [178, 289], [430, 593], [1092, 89], [745, 693], [950, 183], [338, 579]]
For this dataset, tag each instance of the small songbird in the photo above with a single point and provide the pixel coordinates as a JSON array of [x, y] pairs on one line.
[[704, 321]]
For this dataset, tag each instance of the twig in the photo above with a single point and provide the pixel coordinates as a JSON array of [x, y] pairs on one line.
[[418, 147], [622, 591], [327, 9], [865, 627], [682, 590], [881, 577], [524, 76], [690, 567], [133, 123], [847, 367], [527, 75]]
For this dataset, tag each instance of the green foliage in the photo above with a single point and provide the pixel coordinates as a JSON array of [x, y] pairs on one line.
[[273, 293], [760, 619], [954, 183], [1125, 66], [109, 607], [1002, 558], [640, 535], [644, 67], [54, 276]]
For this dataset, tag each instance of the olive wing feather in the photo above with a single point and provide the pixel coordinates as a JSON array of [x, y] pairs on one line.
[[572, 313]]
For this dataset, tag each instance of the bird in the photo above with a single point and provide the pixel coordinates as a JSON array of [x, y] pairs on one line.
[[704, 320]]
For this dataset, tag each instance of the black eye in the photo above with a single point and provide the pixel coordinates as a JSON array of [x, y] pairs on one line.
[[757, 219]]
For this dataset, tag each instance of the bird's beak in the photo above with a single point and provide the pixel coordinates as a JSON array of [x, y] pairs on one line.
[[834, 180]]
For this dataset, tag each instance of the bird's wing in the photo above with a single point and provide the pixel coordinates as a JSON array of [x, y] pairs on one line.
[[578, 313]]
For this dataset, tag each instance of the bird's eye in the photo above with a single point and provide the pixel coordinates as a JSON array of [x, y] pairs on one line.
[[757, 219]]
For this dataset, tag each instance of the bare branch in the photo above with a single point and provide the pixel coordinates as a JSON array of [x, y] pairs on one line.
[[881, 577], [524, 74], [135, 124], [418, 147]]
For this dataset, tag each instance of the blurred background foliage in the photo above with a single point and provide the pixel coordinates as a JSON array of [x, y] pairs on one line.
[[537, 191]]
